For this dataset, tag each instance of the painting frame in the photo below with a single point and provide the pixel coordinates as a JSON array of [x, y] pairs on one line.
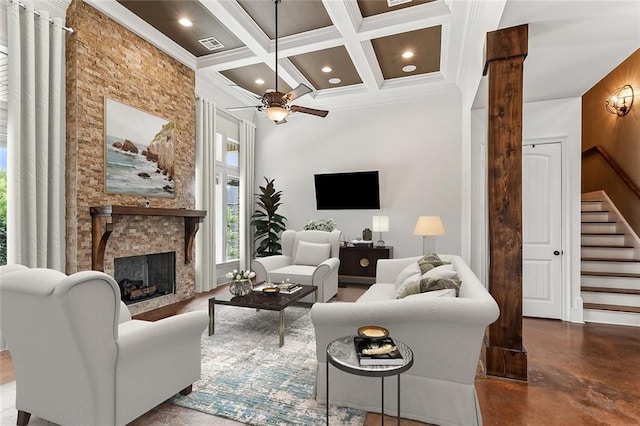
[[139, 151]]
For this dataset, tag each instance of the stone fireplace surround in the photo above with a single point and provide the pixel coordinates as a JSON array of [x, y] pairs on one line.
[[121, 231]]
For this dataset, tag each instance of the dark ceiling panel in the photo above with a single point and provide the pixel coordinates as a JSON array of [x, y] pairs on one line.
[[424, 43], [294, 16], [163, 15], [311, 64], [376, 7], [246, 76]]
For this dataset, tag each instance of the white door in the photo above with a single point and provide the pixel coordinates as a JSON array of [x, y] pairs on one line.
[[541, 230]]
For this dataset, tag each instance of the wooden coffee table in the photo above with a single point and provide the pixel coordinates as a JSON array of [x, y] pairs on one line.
[[259, 300]]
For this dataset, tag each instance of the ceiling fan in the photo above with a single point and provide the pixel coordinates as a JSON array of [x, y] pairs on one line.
[[277, 104]]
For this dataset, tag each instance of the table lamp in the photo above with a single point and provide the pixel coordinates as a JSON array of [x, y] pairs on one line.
[[429, 227], [380, 224]]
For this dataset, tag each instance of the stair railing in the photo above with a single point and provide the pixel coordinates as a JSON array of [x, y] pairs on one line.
[[598, 149]]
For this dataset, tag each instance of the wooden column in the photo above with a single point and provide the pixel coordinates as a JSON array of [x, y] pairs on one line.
[[505, 51]]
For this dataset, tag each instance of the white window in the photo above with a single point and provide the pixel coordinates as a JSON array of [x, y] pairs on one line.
[[227, 190]]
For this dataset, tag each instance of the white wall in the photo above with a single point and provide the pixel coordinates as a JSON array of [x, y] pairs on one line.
[[554, 120], [415, 146]]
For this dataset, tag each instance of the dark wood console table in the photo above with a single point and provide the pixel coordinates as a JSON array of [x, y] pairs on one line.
[[358, 264], [104, 217]]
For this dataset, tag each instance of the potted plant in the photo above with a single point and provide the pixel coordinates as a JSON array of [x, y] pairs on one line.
[[269, 225], [326, 225]]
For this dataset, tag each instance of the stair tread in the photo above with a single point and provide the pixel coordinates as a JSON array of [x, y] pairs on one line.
[[604, 259], [608, 222], [591, 201], [619, 308], [610, 290], [611, 274], [609, 234], [594, 211]]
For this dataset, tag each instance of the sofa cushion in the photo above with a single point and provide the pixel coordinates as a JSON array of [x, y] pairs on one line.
[[431, 284], [442, 271], [409, 270], [302, 274], [378, 292], [312, 254], [430, 261]]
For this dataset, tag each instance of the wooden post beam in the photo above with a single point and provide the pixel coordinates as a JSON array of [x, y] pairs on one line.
[[505, 51]]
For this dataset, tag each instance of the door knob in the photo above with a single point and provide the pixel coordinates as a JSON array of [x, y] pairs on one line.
[[556, 252]]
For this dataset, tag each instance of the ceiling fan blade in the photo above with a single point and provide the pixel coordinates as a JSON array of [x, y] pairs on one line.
[[284, 120], [318, 112], [244, 107], [249, 92], [301, 90]]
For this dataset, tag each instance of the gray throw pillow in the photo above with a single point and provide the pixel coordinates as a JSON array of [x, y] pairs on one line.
[[431, 284], [430, 261]]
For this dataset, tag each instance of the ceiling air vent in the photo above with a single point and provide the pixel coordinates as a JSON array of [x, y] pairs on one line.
[[211, 43], [392, 3]]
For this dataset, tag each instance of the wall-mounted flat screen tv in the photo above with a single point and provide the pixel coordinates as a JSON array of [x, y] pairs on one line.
[[347, 191]]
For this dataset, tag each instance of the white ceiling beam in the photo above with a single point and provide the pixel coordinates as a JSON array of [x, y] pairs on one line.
[[347, 19], [405, 20]]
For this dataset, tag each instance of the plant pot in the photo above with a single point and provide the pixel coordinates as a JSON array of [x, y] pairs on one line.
[[240, 287]]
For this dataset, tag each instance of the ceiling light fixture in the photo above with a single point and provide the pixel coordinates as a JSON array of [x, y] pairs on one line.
[[409, 68], [259, 81], [620, 101], [275, 103], [326, 69], [408, 54], [185, 22], [335, 80]]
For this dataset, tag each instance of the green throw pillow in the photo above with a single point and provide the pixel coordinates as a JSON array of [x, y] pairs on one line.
[[431, 284], [430, 261]]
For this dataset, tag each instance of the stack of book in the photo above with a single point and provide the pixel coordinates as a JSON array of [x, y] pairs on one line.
[[377, 351], [289, 287]]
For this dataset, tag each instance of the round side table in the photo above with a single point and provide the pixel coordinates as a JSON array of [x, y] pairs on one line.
[[341, 353]]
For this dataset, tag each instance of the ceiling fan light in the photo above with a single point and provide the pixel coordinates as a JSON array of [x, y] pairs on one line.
[[276, 113]]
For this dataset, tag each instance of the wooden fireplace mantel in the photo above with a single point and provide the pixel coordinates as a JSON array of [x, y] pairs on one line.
[[103, 219]]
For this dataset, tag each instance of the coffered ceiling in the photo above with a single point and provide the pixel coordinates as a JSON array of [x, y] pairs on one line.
[[336, 47]]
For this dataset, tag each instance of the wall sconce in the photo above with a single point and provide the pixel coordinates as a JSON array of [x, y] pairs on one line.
[[620, 101], [428, 227], [380, 224]]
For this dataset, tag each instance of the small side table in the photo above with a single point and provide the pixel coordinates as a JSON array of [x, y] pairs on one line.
[[341, 353]]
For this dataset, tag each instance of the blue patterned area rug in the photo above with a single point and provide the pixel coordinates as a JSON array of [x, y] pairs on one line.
[[247, 377]]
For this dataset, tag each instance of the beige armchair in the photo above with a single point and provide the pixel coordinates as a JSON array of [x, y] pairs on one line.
[[308, 257], [80, 359]]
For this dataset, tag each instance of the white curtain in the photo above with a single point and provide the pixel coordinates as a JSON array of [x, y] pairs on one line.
[[35, 140], [205, 195], [247, 191]]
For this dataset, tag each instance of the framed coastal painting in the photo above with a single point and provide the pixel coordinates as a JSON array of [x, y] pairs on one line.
[[139, 151]]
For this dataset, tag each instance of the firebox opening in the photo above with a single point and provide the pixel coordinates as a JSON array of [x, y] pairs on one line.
[[145, 277]]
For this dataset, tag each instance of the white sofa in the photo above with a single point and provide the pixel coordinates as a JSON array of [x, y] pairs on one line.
[[80, 359], [445, 334], [308, 257]]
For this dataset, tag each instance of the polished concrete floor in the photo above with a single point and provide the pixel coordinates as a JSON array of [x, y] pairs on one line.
[[579, 374]]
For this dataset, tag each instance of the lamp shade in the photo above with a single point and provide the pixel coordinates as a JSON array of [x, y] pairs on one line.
[[381, 224], [429, 226]]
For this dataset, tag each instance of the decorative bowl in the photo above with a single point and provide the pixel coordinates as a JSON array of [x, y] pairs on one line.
[[373, 332], [271, 290]]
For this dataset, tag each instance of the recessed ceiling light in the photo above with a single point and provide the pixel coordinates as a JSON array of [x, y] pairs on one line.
[[326, 69], [185, 22], [259, 81], [409, 68], [408, 54], [334, 80]]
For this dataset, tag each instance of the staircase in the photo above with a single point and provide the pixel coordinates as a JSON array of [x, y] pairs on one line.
[[610, 265]]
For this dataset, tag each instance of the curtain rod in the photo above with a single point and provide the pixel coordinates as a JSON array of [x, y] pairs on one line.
[[37, 13]]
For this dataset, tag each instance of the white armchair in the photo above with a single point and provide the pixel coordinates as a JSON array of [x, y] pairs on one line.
[[80, 359], [308, 257]]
